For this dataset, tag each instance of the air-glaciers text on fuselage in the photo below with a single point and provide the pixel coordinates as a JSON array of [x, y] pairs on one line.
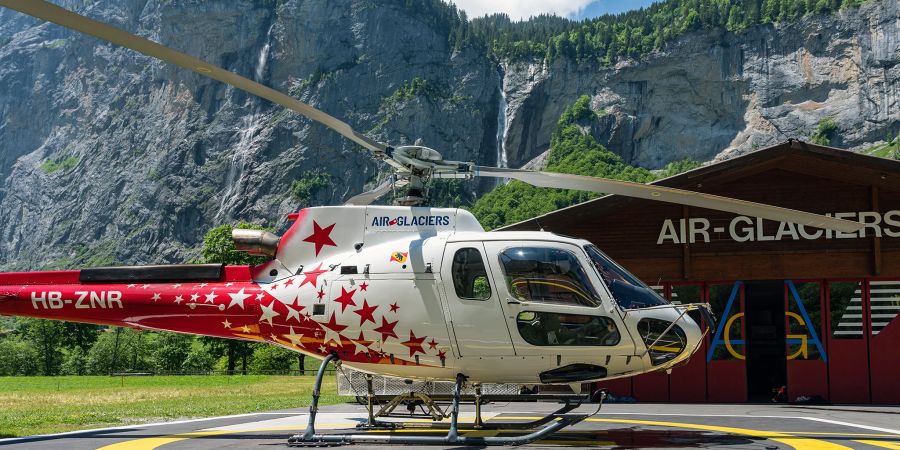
[[411, 221]]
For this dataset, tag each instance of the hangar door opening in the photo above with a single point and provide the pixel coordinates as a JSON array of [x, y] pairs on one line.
[[765, 344]]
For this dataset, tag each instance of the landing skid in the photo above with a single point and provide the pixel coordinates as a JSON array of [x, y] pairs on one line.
[[549, 424]]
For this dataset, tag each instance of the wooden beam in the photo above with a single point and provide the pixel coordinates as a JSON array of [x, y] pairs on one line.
[[876, 240], [685, 247]]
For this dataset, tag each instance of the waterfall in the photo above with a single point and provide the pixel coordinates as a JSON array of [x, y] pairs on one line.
[[263, 57], [249, 128], [502, 126]]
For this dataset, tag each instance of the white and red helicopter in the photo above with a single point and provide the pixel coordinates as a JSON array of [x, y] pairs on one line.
[[404, 291]]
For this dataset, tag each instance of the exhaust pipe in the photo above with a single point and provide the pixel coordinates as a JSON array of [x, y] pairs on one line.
[[255, 242]]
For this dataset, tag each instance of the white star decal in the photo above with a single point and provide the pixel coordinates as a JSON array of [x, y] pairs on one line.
[[226, 324], [292, 313], [203, 285], [132, 285], [238, 298], [295, 338], [322, 349], [245, 329], [145, 286], [268, 313], [156, 297], [331, 336], [229, 284], [176, 285], [360, 348], [260, 296], [210, 298], [179, 299]]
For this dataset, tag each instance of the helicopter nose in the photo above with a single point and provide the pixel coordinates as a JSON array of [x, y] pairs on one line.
[[670, 336]]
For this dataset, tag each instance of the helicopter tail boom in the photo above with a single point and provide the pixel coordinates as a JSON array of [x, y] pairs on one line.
[[202, 299]]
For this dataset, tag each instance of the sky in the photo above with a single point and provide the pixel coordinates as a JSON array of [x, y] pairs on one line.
[[523, 9]]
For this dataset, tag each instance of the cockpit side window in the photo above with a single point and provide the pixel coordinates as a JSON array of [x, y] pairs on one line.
[[549, 275], [470, 278], [628, 291]]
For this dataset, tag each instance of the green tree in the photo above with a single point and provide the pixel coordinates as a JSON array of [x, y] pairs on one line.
[[308, 185], [170, 351], [74, 362], [770, 12], [18, 357], [571, 151], [826, 132], [676, 167], [120, 350], [47, 336], [200, 358], [271, 358], [218, 247]]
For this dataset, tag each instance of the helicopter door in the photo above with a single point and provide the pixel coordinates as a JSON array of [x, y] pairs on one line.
[[475, 311], [550, 304]]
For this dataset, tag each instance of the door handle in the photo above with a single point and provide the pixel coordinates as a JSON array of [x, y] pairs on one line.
[[513, 302]]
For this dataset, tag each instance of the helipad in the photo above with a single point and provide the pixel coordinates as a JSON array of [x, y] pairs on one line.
[[616, 426]]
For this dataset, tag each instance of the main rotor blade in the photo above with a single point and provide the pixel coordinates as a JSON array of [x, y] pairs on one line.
[[671, 195], [61, 16]]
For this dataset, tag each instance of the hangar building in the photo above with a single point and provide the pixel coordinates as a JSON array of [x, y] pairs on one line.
[[812, 310]]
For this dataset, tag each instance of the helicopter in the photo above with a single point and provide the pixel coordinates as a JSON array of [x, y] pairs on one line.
[[407, 291]]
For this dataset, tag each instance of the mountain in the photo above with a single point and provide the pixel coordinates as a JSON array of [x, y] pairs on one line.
[[107, 156]]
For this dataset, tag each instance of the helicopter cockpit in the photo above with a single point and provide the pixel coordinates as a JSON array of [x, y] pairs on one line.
[[568, 294]]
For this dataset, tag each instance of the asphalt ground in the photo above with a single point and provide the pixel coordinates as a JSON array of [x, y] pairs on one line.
[[663, 426]]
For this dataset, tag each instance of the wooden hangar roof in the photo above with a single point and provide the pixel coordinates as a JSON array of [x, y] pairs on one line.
[[796, 156]]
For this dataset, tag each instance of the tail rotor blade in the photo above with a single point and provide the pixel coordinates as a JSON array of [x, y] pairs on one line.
[[671, 195]]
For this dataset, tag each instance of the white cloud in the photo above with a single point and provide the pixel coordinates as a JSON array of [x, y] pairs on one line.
[[521, 9]]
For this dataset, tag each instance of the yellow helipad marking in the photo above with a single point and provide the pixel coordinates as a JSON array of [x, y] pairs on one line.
[[787, 438], [154, 442], [799, 443], [837, 433], [882, 444]]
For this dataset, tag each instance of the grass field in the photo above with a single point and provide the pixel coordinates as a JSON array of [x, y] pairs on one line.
[[37, 405]]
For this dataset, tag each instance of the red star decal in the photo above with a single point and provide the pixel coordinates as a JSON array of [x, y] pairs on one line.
[[442, 354], [320, 294], [361, 340], [394, 307], [363, 286], [333, 325], [414, 344], [320, 237], [365, 313], [432, 344], [346, 299], [312, 276], [387, 329], [289, 282]]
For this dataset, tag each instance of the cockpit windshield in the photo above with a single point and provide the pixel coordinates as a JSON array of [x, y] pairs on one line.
[[626, 289]]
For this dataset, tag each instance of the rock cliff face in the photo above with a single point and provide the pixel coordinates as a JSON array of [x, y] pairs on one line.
[[714, 95], [109, 156]]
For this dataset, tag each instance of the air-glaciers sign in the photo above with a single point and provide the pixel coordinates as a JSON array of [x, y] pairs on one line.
[[750, 229], [410, 222]]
